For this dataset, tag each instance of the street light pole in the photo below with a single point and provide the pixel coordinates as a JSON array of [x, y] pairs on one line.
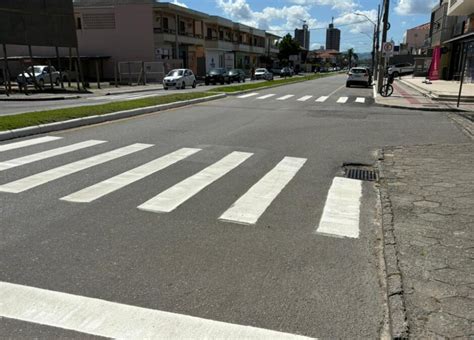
[[374, 38]]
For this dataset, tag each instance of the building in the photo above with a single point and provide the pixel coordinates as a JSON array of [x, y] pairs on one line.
[[302, 36], [333, 38], [150, 33], [416, 39]]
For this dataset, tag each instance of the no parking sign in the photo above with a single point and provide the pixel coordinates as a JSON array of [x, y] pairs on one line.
[[387, 48]]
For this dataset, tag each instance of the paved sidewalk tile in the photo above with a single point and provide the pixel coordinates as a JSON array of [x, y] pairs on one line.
[[432, 193]]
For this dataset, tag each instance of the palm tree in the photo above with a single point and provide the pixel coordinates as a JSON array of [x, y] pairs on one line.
[[350, 55]]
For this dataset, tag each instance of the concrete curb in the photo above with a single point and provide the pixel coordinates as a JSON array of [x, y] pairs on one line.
[[399, 327], [127, 92], [77, 122], [431, 109], [7, 99]]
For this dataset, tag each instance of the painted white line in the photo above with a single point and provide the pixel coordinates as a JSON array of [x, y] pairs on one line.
[[28, 142], [248, 95], [286, 97], [173, 197], [35, 180], [114, 320], [304, 98], [249, 207], [343, 100], [322, 99], [47, 154], [103, 188], [360, 100], [266, 96], [341, 212]]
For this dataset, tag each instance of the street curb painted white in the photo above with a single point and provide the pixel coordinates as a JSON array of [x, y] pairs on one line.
[[77, 122]]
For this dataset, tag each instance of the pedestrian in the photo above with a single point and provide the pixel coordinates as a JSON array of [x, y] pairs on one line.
[[252, 73]]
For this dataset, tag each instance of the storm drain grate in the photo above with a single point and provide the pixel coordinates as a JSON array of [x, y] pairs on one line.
[[363, 174]]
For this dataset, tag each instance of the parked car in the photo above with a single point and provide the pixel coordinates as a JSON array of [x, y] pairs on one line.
[[263, 73], [217, 75], [286, 72], [358, 76], [401, 69], [179, 78], [43, 74], [237, 75]]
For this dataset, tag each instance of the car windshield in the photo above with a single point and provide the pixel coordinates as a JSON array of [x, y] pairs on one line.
[[216, 71], [175, 73], [358, 70], [260, 70], [38, 69], [232, 72]]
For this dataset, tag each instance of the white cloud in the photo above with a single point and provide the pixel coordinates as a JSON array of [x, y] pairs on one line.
[[177, 3], [358, 23], [316, 46], [411, 7], [341, 5]]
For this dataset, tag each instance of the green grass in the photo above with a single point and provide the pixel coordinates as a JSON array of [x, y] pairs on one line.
[[57, 115], [252, 86]]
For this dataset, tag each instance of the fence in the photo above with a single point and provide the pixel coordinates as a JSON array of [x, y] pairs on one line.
[[140, 72]]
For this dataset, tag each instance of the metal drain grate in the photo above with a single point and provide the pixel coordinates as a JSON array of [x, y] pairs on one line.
[[361, 174]]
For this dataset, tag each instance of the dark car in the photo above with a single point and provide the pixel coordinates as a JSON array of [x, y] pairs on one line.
[[237, 75], [217, 75]]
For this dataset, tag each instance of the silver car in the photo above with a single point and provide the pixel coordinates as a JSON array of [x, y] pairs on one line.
[[179, 78], [43, 74], [263, 73]]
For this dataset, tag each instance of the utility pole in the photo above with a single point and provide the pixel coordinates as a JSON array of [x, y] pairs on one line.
[[386, 26], [377, 45]]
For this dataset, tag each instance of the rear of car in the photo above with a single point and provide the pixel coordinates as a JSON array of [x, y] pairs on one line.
[[217, 75], [358, 76], [236, 75]]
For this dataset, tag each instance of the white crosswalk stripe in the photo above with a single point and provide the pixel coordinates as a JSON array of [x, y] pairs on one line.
[[322, 99], [28, 142], [32, 181], [286, 97], [248, 208], [248, 95], [360, 100], [47, 154], [173, 197], [117, 182], [266, 96], [341, 212], [343, 100], [304, 98]]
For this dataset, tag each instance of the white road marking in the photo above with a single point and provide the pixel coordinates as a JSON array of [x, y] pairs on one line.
[[35, 180], [47, 154], [266, 96], [286, 97], [248, 95], [114, 320], [322, 99], [360, 100], [343, 100], [304, 98], [173, 197], [28, 142], [341, 212], [103, 188], [249, 207]]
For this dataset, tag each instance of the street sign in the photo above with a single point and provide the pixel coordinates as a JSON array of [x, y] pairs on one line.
[[387, 48]]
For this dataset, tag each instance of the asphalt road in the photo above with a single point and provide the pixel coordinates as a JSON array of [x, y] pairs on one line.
[[276, 274]]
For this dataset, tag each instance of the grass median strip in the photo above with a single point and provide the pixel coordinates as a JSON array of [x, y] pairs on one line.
[[50, 116], [253, 86]]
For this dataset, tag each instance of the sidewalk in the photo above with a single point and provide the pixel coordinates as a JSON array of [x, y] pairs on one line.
[[441, 90], [407, 97]]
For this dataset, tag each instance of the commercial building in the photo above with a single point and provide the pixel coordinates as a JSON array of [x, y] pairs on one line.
[[333, 38], [302, 36], [417, 38]]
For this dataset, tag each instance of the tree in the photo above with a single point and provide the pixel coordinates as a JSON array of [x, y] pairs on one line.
[[351, 55], [288, 46]]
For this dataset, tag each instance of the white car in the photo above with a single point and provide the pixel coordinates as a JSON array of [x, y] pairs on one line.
[[401, 69], [263, 73], [42, 75], [358, 76], [179, 78]]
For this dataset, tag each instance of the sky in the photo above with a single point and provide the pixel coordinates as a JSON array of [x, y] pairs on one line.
[[283, 16]]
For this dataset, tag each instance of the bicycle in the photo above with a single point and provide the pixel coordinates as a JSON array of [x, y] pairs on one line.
[[387, 88]]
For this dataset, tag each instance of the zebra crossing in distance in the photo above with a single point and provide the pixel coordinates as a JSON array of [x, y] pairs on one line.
[[337, 220], [306, 98]]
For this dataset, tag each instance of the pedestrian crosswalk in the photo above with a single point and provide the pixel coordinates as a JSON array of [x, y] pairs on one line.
[[246, 209], [305, 98]]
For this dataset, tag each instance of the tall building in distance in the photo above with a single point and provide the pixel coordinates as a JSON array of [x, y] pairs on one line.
[[333, 38], [302, 36]]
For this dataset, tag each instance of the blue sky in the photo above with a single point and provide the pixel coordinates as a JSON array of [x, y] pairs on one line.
[[282, 16]]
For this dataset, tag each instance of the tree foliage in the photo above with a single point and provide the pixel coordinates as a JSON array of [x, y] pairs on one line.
[[288, 46]]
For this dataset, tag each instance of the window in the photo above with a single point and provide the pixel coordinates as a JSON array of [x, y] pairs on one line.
[[78, 23], [165, 23], [209, 33], [182, 27], [221, 35]]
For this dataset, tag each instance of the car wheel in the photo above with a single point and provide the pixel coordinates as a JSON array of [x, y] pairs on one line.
[[194, 84], [41, 83], [183, 85], [243, 80], [348, 85]]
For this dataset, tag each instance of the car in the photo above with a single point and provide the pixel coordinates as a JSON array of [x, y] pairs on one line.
[[43, 74], [263, 73], [179, 78], [358, 76], [401, 69], [286, 72], [237, 75], [217, 75]]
